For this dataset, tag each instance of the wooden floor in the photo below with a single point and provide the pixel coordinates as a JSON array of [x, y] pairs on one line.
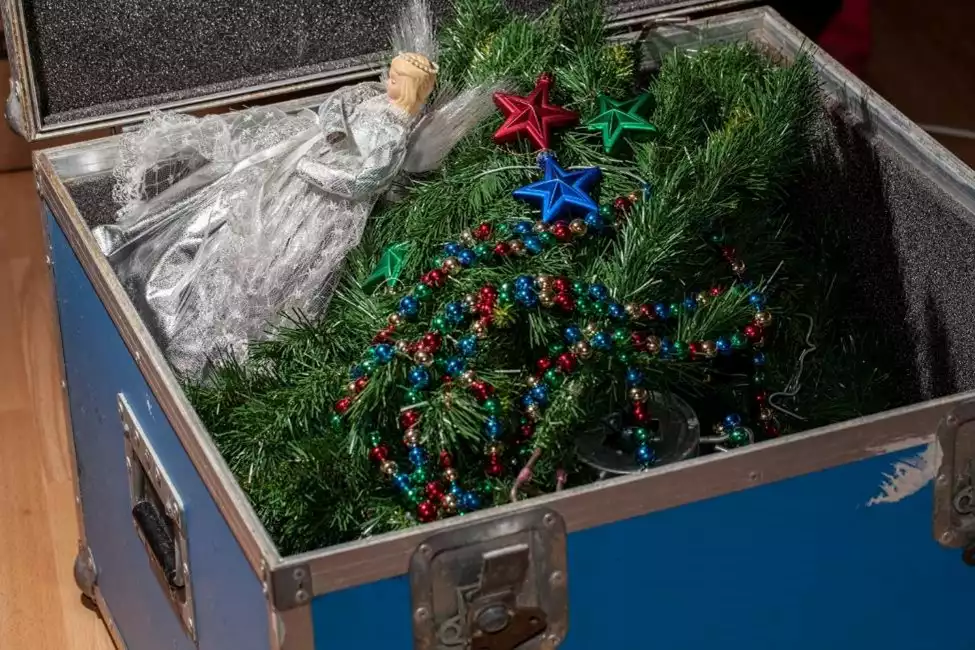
[[922, 61]]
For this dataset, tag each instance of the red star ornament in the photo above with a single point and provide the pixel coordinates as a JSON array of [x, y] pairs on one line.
[[533, 116]]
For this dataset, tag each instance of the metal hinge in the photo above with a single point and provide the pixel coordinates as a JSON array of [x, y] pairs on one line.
[[497, 584], [954, 486]]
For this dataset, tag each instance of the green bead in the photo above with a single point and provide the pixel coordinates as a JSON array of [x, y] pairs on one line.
[[547, 239], [621, 336], [504, 298], [437, 262], [641, 434], [738, 340], [555, 349], [583, 305], [492, 406], [600, 308], [758, 377], [674, 308], [371, 353], [717, 238], [413, 396], [419, 475], [375, 438], [680, 349], [422, 291], [606, 211], [440, 323], [502, 229], [336, 421], [485, 487], [623, 356], [441, 363], [552, 378], [506, 287], [482, 250], [413, 495], [738, 437], [580, 288], [368, 366]]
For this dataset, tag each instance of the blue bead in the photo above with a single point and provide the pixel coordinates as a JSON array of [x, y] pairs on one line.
[[470, 501], [401, 481], [666, 347], [384, 353], [723, 345], [732, 420], [617, 311], [466, 257], [540, 394], [602, 341], [645, 455], [759, 359], [573, 334], [456, 490], [527, 400], [356, 371], [452, 249], [524, 283], [662, 310], [522, 228], [468, 345], [492, 427], [532, 243], [419, 377], [455, 312], [526, 298], [455, 366], [598, 292], [594, 221], [757, 300], [634, 377], [690, 304], [418, 456], [647, 191], [409, 307]]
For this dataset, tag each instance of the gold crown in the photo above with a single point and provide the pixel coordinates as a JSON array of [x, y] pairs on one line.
[[418, 62]]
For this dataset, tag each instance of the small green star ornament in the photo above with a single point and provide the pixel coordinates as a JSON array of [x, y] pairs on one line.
[[389, 268], [619, 117]]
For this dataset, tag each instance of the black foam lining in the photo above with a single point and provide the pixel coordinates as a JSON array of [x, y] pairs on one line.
[[909, 248], [98, 57]]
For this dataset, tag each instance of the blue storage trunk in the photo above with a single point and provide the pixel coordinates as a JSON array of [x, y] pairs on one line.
[[858, 535]]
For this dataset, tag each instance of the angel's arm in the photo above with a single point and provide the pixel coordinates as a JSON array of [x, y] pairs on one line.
[[351, 176]]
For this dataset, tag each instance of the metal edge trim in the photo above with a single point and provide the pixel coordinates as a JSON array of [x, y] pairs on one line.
[[386, 556], [62, 381], [915, 144], [231, 501], [20, 67], [106, 615], [292, 629]]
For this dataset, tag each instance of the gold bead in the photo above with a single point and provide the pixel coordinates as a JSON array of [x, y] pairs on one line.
[[395, 319], [632, 309], [708, 349], [765, 414], [737, 267], [452, 265], [480, 329], [494, 448], [402, 346], [448, 399], [653, 344], [466, 378], [423, 358], [577, 227], [470, 300], [449, 502], [702, 299], [467, 238], [582, 349], [539, 227], [532, 381], [450, 474], [351, 387], [638, 394], [533, 412], [591, 329], [411, 438], [517, 246], [763, 318], [543, 281], [718, 429], [388, 467], [633, 198], [546, 298]]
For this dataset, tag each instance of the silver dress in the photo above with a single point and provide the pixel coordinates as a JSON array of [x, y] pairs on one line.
[[259, 227]]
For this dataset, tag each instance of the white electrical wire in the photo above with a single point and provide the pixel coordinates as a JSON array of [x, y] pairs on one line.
[[792, 388]]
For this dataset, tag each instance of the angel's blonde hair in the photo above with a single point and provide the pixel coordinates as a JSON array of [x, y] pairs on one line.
[[418, 74]]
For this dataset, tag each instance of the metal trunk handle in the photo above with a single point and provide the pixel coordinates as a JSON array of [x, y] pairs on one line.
[[954, 485]]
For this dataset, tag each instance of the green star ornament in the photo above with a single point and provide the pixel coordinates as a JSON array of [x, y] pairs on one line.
[[389, 268], [618, 117]]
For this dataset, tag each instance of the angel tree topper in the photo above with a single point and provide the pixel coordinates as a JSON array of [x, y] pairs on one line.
[[533, 116]]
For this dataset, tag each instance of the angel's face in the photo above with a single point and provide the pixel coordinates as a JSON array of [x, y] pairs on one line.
[[394, 85]]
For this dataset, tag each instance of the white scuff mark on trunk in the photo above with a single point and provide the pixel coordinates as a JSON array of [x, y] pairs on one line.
[[909, 475]]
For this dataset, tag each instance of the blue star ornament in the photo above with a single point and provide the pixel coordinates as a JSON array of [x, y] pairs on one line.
[[562, 195]]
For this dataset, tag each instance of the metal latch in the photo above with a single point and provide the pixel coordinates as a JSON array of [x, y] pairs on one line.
[[954, 486], [496, 584]]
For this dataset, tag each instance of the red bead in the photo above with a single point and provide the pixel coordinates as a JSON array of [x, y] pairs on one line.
[[761, 397], [565, 302], [446, 460], [562, 232], [483, 231], [728, 252], [502, 249], [526, 431], [494, 467], [379, 453], [566, 362], [771, 430], [647, 312], [360, 384], [434, 491], [694, 349], [343, 405], [488, 293], [621, 205], [753, 332], [543, 364], [561, 285], [638, 340], [408, 419], [715, 292], [426, 512], [431, 341], [384, 336], [435, 278]]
